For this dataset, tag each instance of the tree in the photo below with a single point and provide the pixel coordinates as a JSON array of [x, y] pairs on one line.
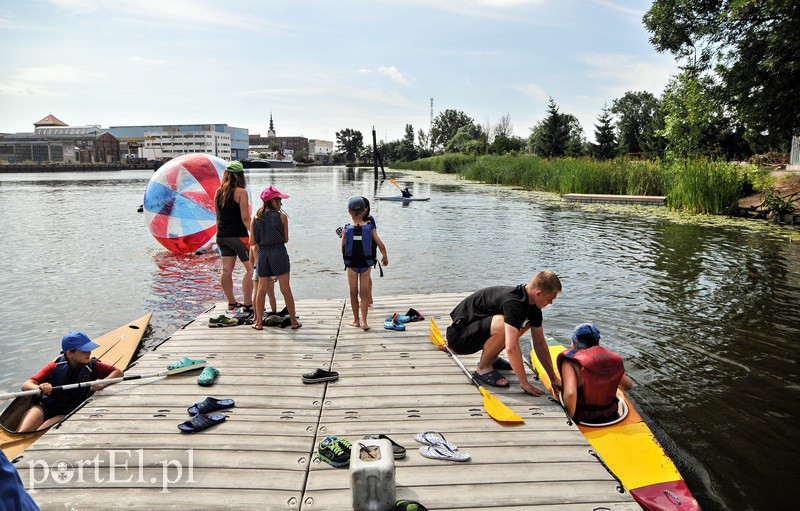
[[504, 145], [408, 151], [605, 136], [349, 142], [636, 112], [504, 128], [752, 45], [557, 134], [688, 113], [446, 125]]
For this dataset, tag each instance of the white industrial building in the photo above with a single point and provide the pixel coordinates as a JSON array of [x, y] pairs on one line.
[[173, 143]]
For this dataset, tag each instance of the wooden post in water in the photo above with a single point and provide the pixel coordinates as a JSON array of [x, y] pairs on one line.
[[376, 156]]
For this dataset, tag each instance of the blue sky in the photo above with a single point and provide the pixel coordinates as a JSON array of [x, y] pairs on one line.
[[320, 66]]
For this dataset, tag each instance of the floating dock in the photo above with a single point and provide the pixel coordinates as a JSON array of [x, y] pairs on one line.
[[123, 449], [639, 200]]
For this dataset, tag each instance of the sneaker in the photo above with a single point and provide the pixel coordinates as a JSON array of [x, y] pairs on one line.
[[223, 321], [334, 451]]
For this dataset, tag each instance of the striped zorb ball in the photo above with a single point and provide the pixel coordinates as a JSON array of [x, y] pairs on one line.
[[179, 202]]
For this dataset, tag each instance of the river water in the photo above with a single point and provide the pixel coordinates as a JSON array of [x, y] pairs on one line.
[[704, 314]]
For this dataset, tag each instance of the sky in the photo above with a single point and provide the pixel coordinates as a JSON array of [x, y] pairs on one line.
[[320, 66]]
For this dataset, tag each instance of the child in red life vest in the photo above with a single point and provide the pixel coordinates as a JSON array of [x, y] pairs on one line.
[[74, 366], [357, 251], [590, 375]]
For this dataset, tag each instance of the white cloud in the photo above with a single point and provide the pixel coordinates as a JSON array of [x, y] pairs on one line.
[[15, 88], [531, 89], [622, 73], [140, 60], [395, 75], [57, 74], [637, 14]]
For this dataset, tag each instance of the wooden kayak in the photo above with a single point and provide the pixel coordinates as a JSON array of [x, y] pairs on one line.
[[116, 348], [402, 199], [633, 454]]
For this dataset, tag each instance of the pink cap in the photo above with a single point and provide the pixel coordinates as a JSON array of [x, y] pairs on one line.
[[272, 193]]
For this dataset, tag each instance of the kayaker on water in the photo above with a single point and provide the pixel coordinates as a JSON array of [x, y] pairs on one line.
[[590, 375], [494, 318], [406, 193], [74, 366]]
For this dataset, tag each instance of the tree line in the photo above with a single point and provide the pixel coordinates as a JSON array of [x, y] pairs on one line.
[[737, 94]]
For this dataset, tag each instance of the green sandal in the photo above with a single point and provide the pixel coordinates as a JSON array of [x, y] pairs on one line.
[[208, 377], [184, 363]]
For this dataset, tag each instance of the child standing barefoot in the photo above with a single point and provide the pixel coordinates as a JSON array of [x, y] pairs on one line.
[[270, 230], [358, 256]]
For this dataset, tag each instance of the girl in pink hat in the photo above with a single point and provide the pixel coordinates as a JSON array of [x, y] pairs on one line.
[[270, 231]]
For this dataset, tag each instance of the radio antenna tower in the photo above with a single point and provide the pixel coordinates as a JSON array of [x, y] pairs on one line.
[[430, 127]]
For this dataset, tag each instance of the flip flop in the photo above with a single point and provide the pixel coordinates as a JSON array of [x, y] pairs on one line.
[[398, 450], [414, 315], [432, 437], [200, 422], [443, 452], [208, 377], [501, 364], [210, 404], [185, 362], [491, 379]]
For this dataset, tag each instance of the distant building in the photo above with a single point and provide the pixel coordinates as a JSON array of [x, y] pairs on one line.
[[172, 143], [320, 150], [53, 141], [300, 147], [135, 136]]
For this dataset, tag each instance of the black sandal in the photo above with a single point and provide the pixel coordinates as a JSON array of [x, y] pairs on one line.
[[234, 306]]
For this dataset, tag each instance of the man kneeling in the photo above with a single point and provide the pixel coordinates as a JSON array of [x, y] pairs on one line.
[[494, 318], [591, 375]]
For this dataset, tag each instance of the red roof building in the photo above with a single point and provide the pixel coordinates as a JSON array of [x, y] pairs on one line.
[[50, 120]]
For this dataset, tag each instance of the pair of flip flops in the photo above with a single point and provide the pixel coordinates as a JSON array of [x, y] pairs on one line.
[[202, 416], [438, 448], [395, 322], [398, 450]]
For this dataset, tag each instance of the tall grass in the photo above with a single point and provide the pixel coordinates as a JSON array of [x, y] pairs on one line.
[[696, 186]]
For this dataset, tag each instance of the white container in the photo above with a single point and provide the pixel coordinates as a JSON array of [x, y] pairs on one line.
[[372, 475]]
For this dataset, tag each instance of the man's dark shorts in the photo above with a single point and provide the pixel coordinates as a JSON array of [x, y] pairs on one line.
[[469, 338], [229, 247]]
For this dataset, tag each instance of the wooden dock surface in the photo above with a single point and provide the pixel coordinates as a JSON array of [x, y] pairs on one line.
[[264, 455], [638, 200]]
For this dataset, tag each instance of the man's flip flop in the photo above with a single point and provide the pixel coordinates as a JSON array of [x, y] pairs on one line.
[[184, 363], [208, 376], [200, 422], [491, 378], [432, 437], [443, 452], [501, 364], [210, 404]]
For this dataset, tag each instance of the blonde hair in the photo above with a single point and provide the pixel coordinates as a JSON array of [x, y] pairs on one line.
[[547, 281], [270, 205]]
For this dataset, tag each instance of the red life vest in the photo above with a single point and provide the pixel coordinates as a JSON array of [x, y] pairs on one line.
[[601, 371]]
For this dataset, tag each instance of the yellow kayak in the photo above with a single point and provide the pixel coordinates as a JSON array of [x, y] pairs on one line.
[[633, 454], [116, 348]]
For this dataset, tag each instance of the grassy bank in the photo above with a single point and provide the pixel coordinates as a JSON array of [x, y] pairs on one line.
[[695, 186]]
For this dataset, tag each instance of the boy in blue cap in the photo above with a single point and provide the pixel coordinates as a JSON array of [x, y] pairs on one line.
[[591, 375], [75, 365]]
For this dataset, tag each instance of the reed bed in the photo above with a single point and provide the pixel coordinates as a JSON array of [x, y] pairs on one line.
[[696, 186]]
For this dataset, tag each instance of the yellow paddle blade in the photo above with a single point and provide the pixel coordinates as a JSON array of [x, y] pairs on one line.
[[497, 410], [436, 335], [394, 183]]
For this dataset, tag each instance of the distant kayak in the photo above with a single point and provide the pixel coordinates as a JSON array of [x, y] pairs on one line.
[[403, 199]]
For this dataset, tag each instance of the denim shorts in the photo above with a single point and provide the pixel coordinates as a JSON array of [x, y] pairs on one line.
[[360, 269]]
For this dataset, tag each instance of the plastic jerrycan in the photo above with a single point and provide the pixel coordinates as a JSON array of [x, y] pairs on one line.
[[372, 475]]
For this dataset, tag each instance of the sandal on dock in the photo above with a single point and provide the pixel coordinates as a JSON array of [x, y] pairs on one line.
[[414, 315], [208, 376], [432, 437], [185, 363], [235, 305], [210, 404], [443, 452], [393, 324], [501, 364], [320, 375], [398, 450], [491, 378], [200, 422]]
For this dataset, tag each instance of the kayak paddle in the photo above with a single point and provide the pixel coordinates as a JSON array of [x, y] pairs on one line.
[[494, 407], [395, 183], [104, 382]]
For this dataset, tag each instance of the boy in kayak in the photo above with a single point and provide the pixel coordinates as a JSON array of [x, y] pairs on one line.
[[76, 365], [494, 318], [590, 375]]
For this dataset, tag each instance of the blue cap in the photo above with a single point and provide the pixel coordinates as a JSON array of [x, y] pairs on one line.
[[77, 341], [355, 204], [585, 336]]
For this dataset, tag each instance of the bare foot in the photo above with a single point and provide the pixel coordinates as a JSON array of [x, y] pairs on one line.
[[356, 324], [296, 325], [258, 327], [366, 327]]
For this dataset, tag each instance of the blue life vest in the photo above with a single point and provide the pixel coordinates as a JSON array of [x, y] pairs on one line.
[[68, 400], [13, 496], [357, 250]]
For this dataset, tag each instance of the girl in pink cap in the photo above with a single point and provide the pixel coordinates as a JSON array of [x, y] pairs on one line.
[[270, 231]]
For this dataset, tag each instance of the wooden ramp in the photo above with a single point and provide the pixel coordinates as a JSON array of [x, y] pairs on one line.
[[123, 449]]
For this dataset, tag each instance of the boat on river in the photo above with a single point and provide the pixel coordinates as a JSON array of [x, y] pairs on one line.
[[400, 198], [627, 447], [116, 348]]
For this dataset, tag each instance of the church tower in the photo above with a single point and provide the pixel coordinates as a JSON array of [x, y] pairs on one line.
[[271, 131]]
